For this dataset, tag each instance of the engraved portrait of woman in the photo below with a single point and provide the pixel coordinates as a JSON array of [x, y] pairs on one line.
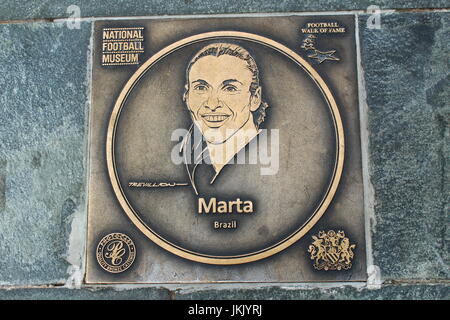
[[224, 98]]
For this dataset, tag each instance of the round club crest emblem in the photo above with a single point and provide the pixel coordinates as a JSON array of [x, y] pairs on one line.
[[116, 252]]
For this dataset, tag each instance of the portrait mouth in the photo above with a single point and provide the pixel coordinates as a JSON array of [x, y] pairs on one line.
[[215, 120]]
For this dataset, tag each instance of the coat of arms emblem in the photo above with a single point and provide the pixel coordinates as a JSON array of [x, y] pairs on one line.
[[331, 251]]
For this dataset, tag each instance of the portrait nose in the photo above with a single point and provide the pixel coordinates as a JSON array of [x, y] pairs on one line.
[[213, 102]]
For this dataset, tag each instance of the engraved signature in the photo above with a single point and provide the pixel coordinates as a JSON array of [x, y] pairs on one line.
[[155, 184]]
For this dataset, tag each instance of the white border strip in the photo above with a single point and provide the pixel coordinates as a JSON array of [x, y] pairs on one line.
[[373, 271]]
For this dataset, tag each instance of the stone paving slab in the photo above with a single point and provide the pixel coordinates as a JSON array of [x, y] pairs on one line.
[[406, 67], [42, 151], [390, 292], [84, 294], [35, 9]]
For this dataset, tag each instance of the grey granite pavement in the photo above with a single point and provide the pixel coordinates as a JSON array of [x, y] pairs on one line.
[[407, 72], [44, 98], [35, 9], [42, 150]]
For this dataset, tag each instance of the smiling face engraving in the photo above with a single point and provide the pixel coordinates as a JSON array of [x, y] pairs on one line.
[[219, 95]]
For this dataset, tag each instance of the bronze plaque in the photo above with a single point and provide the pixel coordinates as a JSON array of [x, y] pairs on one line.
[[225, 149]]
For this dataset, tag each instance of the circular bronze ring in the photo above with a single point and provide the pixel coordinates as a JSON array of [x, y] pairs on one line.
[[253, 256]]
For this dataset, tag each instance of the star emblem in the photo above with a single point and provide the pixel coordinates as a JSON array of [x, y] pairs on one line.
[[322, 56]]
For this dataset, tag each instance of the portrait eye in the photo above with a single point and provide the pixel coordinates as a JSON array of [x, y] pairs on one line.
[[230, 88], [200, 87]]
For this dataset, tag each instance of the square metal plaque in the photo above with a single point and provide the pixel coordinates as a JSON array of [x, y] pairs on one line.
[[225, 149]]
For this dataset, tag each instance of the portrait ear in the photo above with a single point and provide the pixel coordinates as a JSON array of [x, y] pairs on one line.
[[185, 93], [255, 100]]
